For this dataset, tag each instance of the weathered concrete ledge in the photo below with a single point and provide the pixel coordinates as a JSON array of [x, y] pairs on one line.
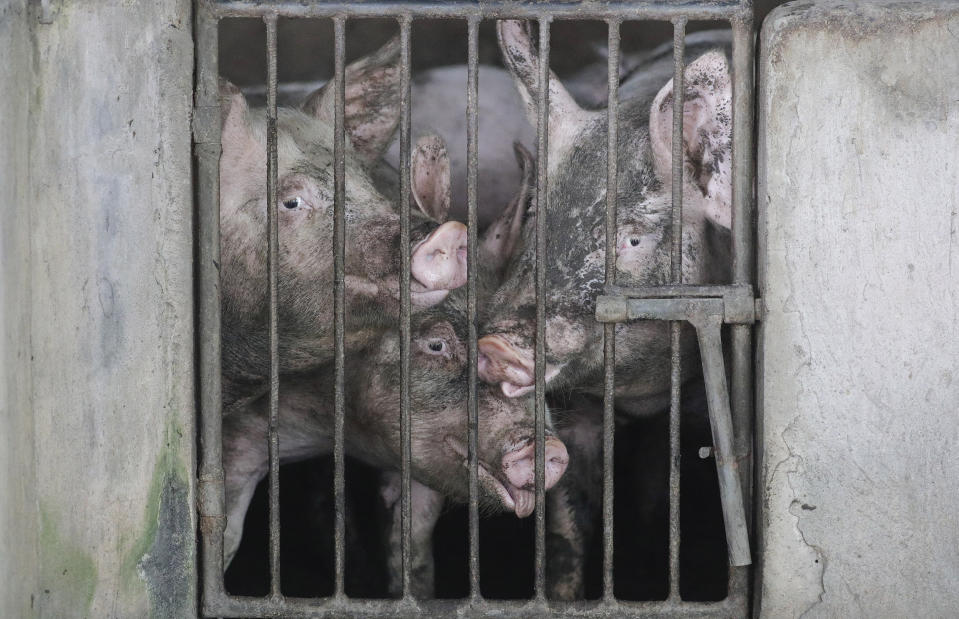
[[859, 346]]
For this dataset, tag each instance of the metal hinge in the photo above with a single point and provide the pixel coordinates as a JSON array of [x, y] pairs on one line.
[[707, 308]]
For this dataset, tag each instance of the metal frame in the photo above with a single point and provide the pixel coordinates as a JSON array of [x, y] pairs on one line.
[[705, 306]]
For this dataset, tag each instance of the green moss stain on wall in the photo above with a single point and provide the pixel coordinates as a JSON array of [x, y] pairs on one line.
[[67, 573], [162, 555]]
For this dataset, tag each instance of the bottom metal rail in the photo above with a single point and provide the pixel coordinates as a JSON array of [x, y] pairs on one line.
[[234, 606], [707, 316]]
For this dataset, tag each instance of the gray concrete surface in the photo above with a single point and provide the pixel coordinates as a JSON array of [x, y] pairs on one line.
[[97, 425], [18, 525], [859, 362]]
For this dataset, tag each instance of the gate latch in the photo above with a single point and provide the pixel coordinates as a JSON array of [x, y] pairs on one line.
[[706, 308]]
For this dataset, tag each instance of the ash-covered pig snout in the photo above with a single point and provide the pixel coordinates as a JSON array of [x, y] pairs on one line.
[[519, 466], [439, 262]]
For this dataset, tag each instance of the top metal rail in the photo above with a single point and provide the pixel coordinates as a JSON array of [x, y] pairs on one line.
[[490, 9]]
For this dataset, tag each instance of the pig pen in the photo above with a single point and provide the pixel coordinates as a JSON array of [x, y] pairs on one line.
[[334, 556]]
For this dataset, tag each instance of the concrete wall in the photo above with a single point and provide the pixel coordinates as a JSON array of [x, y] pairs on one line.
[[859, 366], [18, 527], [98, 360]]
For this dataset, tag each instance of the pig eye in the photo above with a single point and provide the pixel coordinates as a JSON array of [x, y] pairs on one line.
[[292, 203], [436, 345], [634, 241]]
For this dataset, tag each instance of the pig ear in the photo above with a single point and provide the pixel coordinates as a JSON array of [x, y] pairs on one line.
[[707, 133], [522, 60], [430, 177], [235, 135], [502, 238], [372, 104]]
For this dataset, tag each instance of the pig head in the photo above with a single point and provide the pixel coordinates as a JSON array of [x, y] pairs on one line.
[[576, 247], [304, 209]]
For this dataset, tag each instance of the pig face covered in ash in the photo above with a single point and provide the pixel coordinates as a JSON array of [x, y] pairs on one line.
[[305, 189], [438, 401], [576, 241]]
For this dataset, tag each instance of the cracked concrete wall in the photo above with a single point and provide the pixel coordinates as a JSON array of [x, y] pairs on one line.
[[18, 529], [859, 346], [98, 359]]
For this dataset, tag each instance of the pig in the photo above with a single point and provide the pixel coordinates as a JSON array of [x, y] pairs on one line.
[[372, 431], [575, 257], [497, 245], [438, 396], [575, 260], [304, 210]]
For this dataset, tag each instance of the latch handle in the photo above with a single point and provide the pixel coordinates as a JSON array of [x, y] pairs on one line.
[[721, 424], [707, 315]]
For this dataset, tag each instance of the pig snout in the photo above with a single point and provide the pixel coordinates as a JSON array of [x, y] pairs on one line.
[[519, 472], [439, 262], [514, 482], [519, 466], [500, 362]]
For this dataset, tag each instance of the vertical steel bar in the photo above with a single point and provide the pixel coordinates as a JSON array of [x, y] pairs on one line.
[[676, 277], [472, 100], [272, 258], [405, 432], [609, 330], [743, 253], [210, 497], [339, 298], [542, 130]]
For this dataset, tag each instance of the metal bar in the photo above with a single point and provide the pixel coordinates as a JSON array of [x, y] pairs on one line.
[[472, 100], [542, 130], [676, 275], [674, 291], [234, 606], [720, 421], [271, 261], [612, 309], [206, 128], [609, 330], [743, 259], [405, 431], [501, 9], [339, 300]]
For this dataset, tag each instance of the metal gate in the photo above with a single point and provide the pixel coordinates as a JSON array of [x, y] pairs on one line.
[[706, 307]]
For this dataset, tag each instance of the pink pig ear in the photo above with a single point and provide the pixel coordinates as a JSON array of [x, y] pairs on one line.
[[430, 177], [707, 133], [235, 135], [372, 105]]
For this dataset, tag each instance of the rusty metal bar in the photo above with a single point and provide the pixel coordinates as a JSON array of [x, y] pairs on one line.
[[676, 277], [472, 100], [405, 430], [206, 137], [673, 291], [542, 193], [339, 301], [659, 10], [272, 258], [609, 330], [342, 608], [743, 170]]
